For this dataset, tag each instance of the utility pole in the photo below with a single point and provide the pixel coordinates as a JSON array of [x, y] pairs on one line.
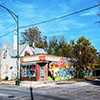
[[15, 17]]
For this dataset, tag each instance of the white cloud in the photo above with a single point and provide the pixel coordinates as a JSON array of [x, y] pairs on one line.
[[55, 27], [73, 23], [63, 7], [26, 10], [89, 13]]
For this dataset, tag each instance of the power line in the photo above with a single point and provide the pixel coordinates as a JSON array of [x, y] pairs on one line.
[[56, 18], [7, 33], [4, 2]]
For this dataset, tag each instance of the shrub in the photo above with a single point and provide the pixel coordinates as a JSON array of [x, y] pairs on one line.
[[6, 78]]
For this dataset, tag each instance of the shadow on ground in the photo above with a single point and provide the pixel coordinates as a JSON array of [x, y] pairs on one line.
[[94, 82]]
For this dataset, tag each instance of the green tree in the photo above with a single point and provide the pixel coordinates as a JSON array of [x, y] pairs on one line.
[[85, 54], [33, 35], [59, 46], [53, 45]]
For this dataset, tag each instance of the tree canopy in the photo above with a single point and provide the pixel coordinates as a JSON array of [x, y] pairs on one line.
[[33, 35], [85, 52]]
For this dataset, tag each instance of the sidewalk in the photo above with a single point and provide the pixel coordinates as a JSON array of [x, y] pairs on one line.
[[37, 84], [7, 82]]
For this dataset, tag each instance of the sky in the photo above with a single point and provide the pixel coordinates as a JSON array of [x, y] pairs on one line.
[[34, 11]]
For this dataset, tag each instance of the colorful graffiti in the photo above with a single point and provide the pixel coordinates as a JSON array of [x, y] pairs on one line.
[[61, 70]]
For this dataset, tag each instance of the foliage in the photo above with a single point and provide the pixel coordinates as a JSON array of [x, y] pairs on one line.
[[6, 78], [59, 46], [86, 55], [33, 35], [97, 65]]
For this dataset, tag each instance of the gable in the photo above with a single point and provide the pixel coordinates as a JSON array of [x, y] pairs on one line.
[[26, 51], [4, 52]]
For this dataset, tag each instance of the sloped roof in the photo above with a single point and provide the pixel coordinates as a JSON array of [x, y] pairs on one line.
[[13, 52], [37, 50]]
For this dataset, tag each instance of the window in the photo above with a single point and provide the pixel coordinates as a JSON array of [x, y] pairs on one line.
[[6, 69], [5, 54], [28, 71], [27, 53]]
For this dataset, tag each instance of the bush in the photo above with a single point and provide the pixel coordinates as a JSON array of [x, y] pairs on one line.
[[6, 78]]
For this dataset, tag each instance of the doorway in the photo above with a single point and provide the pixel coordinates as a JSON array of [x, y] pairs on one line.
[[42, 71]]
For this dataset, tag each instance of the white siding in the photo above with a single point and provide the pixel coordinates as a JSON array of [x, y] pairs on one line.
[[8, 62]]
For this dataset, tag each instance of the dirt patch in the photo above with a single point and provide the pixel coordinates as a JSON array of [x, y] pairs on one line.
[[62, 83]]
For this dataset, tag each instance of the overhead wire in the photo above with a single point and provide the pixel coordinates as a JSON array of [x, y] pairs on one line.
[[4, 2], [56, 18], [8, 33], [53, 19]]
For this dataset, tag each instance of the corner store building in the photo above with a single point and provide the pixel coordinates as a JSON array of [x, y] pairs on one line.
[[36, 68]]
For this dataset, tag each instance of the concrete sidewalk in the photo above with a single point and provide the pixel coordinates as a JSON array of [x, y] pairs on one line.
[[7, 82], [37, 84]]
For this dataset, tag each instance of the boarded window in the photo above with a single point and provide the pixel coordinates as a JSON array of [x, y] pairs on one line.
[[6, 69]]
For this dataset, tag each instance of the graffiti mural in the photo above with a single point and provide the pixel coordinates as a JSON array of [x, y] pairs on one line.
[[61, 70]]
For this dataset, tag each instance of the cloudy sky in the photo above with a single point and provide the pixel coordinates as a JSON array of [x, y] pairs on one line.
[[34, 11]]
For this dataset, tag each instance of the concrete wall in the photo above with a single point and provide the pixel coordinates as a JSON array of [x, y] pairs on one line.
[[8, 66]]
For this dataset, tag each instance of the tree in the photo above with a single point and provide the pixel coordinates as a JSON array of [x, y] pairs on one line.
[[85, 53], [33, 35], [59, 46], [53, 45]]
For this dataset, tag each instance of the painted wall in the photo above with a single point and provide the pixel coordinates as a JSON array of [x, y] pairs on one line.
[[64, 69], [37, 72], [61, 70], [46, 72]]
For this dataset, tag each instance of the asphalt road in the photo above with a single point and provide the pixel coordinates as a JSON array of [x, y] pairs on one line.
[[76, 91]]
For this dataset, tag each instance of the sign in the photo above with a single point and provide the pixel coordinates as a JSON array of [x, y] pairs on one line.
[[30, 59], [41, 58], [48, 58]]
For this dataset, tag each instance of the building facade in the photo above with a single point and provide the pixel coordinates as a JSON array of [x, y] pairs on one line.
[[8, 62], [46, 68]]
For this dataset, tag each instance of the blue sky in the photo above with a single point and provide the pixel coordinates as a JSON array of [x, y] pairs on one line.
[[33, 11]]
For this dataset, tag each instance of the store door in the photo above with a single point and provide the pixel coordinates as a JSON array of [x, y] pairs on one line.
[[42, 71]]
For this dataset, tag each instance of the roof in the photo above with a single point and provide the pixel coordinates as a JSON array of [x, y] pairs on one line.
[[13, 52], [37, 50]]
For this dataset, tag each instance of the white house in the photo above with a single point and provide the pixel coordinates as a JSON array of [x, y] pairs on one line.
[[8, 62]]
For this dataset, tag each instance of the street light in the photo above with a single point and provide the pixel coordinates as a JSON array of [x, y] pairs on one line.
[[15, 17]]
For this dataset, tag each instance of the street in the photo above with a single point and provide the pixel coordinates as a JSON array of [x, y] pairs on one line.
[[76, 91]]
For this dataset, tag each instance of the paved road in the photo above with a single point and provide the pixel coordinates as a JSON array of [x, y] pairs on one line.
[[76, 91]]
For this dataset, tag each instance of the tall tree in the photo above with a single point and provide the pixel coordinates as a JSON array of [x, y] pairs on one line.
[[33, 35], [59, 46], [85, 53]]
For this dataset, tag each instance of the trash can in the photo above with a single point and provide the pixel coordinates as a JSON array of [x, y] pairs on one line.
[[17, 82]]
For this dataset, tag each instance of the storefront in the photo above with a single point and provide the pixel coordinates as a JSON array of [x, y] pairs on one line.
[[45, 67], [35, 67]]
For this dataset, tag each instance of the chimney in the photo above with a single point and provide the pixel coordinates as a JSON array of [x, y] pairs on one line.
[[33, 44], [15, 42]]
